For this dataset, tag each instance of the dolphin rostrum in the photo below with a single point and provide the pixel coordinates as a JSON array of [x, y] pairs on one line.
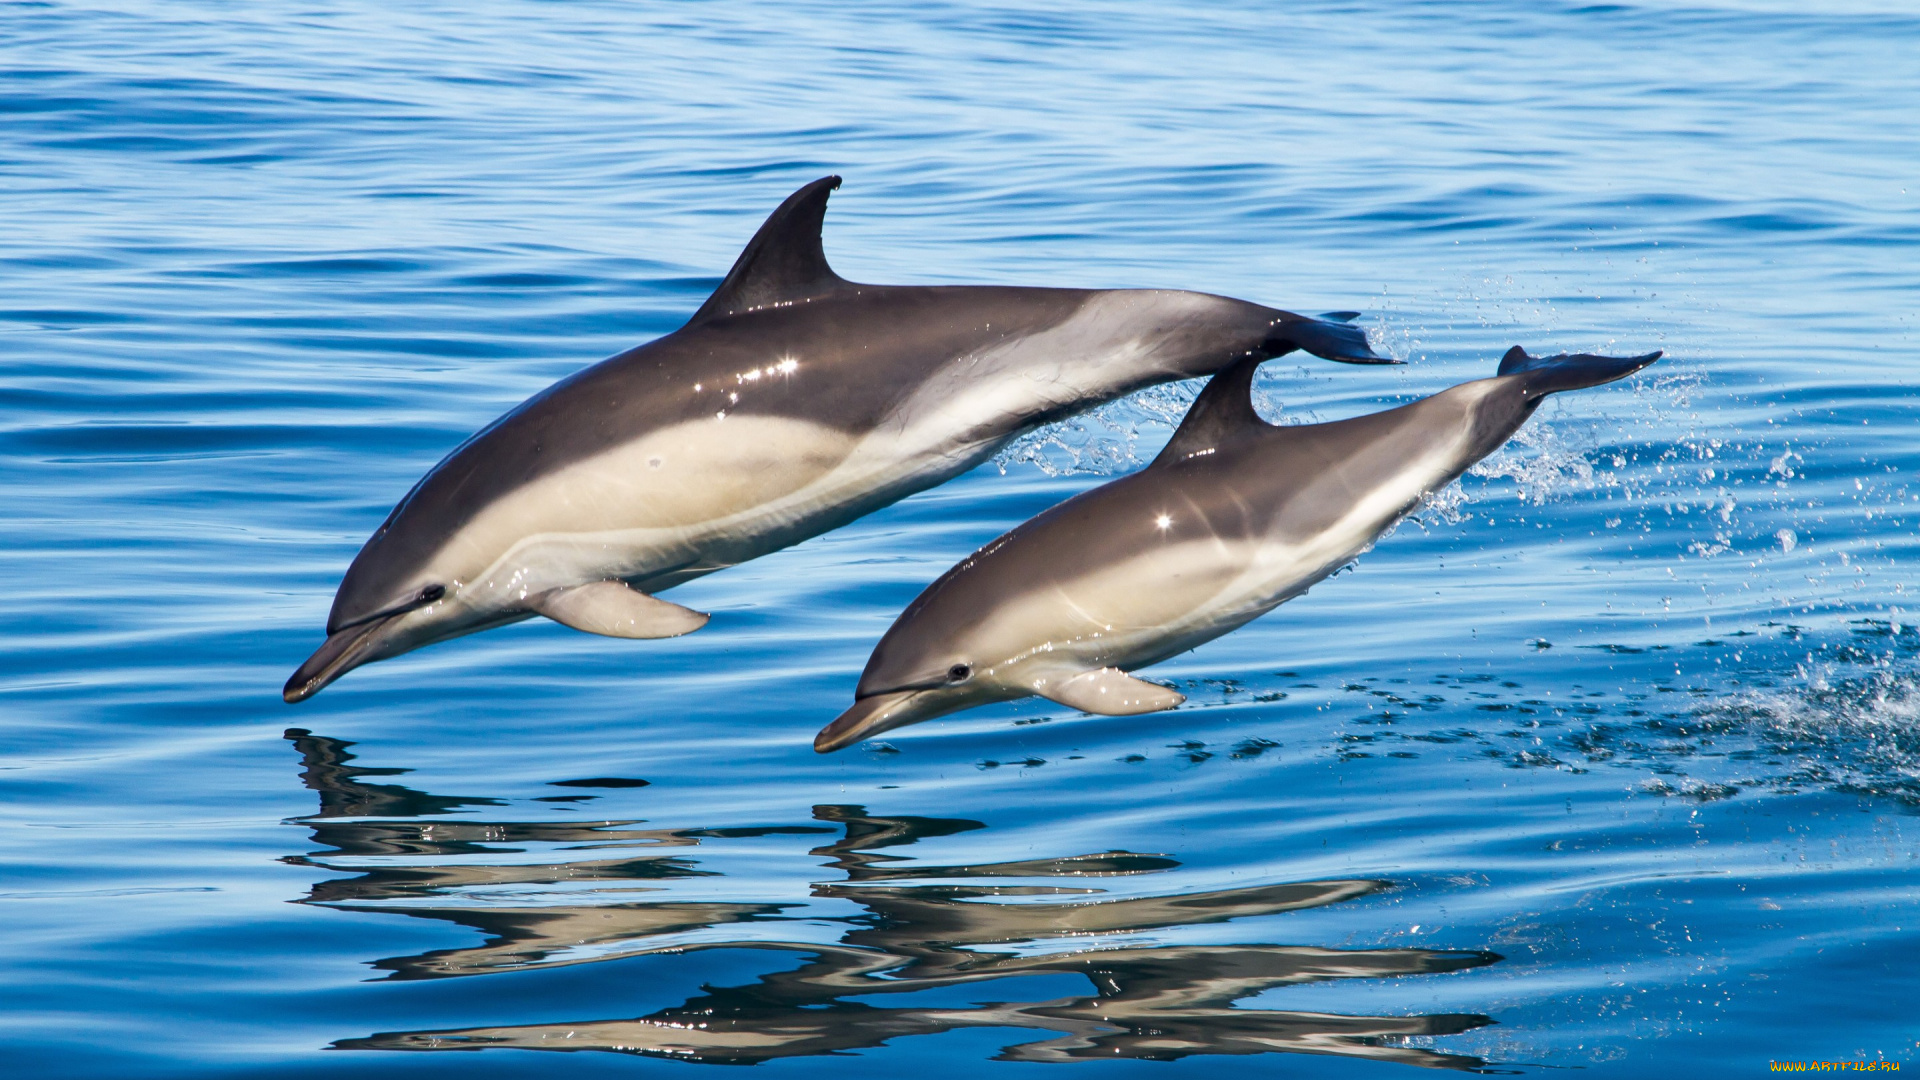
[[1235, 517], [793, 402]]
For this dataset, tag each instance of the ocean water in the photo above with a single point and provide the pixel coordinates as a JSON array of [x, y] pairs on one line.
[[1609, 762]]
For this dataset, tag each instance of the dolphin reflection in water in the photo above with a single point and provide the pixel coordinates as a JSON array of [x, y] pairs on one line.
[[791, 403], [915, 927], [1235, 517]]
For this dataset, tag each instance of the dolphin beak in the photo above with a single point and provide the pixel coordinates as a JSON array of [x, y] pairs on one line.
[[869, 716], [343, 651]]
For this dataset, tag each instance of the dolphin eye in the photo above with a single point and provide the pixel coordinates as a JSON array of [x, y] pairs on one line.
[[959, 673], [432, 592]]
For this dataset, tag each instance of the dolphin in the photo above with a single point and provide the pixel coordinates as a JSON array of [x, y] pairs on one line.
[[791, 403], [1235, 517]]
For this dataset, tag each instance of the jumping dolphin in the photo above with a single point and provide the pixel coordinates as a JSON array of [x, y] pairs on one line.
[[1235, 517], [793, 402]]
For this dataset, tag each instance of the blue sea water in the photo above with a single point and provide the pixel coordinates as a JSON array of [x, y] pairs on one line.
[[1611, 761]]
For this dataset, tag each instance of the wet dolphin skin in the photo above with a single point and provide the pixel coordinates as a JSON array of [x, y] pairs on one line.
[[792, 402], [1235, 517]]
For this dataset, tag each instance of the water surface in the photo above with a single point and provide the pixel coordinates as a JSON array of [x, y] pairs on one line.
[[1610, 761]]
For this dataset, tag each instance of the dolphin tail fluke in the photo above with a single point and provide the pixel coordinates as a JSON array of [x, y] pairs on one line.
[[1329, 337], [1110, 692], [1551, 374]]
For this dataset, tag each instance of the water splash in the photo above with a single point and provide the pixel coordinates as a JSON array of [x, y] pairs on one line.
[[1105, 441], [1859, 734], [1544, 461]]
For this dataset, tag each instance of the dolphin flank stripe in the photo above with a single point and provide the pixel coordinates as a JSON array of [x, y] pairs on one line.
[[1235, 517], [791, 403]]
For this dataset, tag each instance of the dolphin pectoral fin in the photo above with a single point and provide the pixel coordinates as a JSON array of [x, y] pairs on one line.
[[616, 609], [1109, 692]]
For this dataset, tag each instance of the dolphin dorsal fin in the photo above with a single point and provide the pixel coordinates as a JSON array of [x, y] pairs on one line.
[[1222, 411], [783, 262], [1517, 361]]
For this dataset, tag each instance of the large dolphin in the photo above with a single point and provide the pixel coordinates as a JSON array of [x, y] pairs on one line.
[[1235, 517], [793, 402]]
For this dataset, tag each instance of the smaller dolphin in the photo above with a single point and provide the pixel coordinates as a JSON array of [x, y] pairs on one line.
[[1235, 517]]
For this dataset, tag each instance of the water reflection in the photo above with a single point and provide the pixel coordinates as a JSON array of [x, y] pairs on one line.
[[1102, 983], [343, 794]]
